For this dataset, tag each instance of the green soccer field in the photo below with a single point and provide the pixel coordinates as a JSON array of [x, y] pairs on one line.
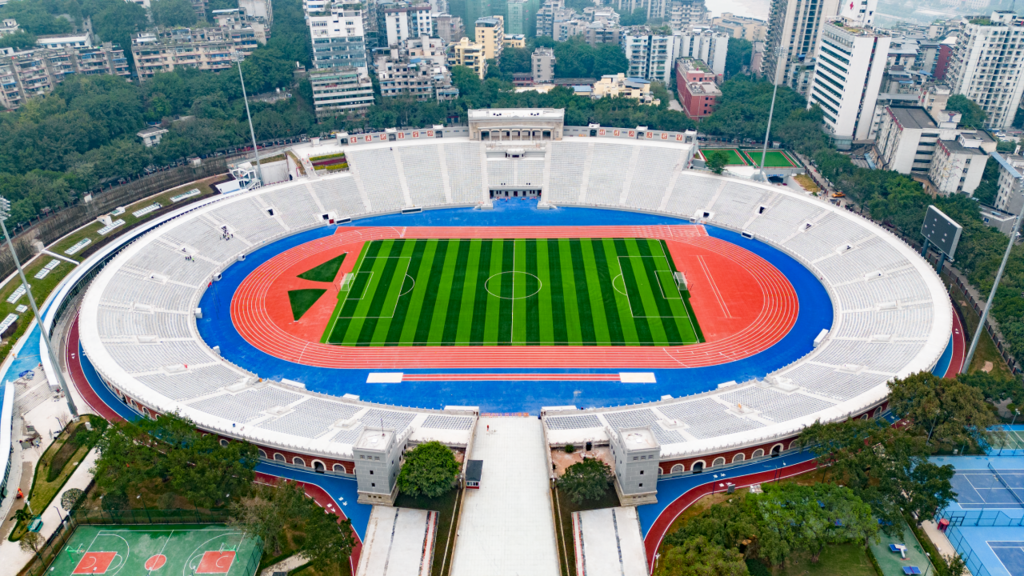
[[169, 550], [774, 158], [735, 157], [487, 292]]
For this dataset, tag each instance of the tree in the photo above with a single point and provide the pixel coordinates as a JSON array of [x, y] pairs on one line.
[[972, 115], [20, 40], [946, 411], [888, 468], [716, 160], [172, 13], [698, 557], [33, 18], [586, 480], [31, 542], [429, 470], [737, 56], [267, 510], [70, 498], [328, 543]]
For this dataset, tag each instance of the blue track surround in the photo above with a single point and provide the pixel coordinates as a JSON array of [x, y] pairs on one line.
[[216, 328]]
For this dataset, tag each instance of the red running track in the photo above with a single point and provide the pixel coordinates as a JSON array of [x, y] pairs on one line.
[[956, 363], [743, 303], [657, 532], [78, 378]]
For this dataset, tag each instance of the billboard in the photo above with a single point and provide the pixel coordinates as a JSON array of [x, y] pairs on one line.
[[941, 231]]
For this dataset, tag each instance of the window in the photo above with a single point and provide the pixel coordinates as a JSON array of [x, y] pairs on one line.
[[298, 461], [339, 468], [678, 468], [262, 454], [224, 443], [279, 457], [720, 461], [738, 458]]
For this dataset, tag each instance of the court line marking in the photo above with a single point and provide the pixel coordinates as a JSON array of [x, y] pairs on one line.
[[161, 552], [714, 287], [188, 560]]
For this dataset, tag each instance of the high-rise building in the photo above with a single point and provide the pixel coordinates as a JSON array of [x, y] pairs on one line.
[[543, 65], [468, 54], [470, 11], [1010, 196], [861, 12], [199, 48], [403, 21], [340, 89], [685, 14], [655, 9], [846, 81], [37, 72], [522, 17], [651, 56], [750, 29], [698, 92], [986, 65], [338, 37], [794, 27], [706, 45], [490, 33], [449, 28]]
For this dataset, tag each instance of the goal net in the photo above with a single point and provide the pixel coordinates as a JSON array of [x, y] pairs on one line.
[[680, 280], [346, 281]]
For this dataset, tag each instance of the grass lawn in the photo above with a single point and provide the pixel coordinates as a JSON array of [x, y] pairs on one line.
[[987, 351], [735, 158], [43, 489], [891, 563], [563, 523], [91, 231], [845, 560], [557, 292], [447, 511], [774, 159], [41, 288], [325, 272], [806, 182]]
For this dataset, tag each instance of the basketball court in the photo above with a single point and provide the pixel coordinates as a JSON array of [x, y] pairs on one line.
[[178, 550]]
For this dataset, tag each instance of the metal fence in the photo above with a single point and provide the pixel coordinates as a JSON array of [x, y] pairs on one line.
[[983, 518], [964, 549], [48, 550]]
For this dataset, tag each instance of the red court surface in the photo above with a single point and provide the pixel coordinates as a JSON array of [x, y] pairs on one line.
[[215, 563], [744, 304], [155, 562], [94, 562]]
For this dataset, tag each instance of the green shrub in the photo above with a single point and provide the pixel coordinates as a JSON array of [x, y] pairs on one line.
[[569, 448]]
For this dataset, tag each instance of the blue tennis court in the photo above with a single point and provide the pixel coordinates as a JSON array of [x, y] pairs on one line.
[[1011, 554], [984, 489]]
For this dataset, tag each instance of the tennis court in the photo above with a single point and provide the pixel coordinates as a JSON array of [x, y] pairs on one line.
[[1007, 440], [171, 550], [736, 158], [774, 159], [989, 488]]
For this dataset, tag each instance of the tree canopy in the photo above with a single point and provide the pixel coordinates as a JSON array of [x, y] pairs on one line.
[[737, 56], [699, 557], [172, 13], [716, 160], [429, 470], [586, 480], [972, 115], [948, 412]]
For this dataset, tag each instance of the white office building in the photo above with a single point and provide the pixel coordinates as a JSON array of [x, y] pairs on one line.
[[338, 37], [706, 45], [794, 29], [1010, 197], [404, 22], [860, 11], [847, 77], [987, 65]]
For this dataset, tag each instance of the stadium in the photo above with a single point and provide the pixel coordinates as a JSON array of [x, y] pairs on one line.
[[404, 284]]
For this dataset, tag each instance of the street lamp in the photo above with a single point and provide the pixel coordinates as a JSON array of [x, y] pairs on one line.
[[5, 212], [259, 169]]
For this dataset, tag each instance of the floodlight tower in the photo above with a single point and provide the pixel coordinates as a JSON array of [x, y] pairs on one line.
[[771, 112], [5, 212], [259, 168]]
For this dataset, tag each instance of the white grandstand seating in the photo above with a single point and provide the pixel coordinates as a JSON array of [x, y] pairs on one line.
[[653, 172], [311, 418], [295, 206], [148, 293], [706, 418], [463, 160], [379, 174], [423, 174], [193, 382], [339, 195], [608, 173], [566, 175]]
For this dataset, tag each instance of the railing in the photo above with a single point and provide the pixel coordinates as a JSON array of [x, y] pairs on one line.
[[966, 552], [983, 518]]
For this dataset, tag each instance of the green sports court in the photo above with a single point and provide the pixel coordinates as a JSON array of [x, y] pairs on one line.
[[736, 158], [171, 550], [489, 292], [774, 159]]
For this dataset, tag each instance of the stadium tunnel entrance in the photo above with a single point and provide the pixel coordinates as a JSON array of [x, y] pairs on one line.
[[518, 192]]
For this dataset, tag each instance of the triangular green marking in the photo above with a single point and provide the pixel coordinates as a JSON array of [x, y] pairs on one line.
[[324, 272], [303, 300]]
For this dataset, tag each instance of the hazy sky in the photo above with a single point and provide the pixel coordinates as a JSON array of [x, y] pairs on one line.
[[751, 8]]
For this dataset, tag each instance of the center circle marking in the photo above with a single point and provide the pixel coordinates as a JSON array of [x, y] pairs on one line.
[[155, 562], [487, 283]]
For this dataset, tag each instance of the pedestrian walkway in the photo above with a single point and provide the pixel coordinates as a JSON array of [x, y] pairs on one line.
[[399, 541], [507, 528]]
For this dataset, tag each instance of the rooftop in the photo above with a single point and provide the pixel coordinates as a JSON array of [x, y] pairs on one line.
[[912, 117], [524, 113], [638, 438], [955, 147]]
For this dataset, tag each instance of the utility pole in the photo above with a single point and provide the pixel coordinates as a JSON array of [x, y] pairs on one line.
[[252, 132], [771, 112], [5, 212]]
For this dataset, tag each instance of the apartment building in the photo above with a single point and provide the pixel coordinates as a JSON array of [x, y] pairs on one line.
[[449, 28], [247, 32], [8, 26], [170, 48], [698, 92], [550, 13], [847, 78], [340, 89], [469, 54], [338, 37], [1010, 196], [655, 9], [859, 12], [402, 21], [490, 33], [613, 85], [522, 17], [651, 55], [750, 29], [987, 65], [958, 164], [260, 10], [426, 48], [542, 63], [685, 14], [909, 136], [422, 78], [704, 44], [37, 72], [794, 27]]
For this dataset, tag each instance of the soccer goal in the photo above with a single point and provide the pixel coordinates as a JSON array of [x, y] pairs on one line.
[[680, 281], [346, 282]]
